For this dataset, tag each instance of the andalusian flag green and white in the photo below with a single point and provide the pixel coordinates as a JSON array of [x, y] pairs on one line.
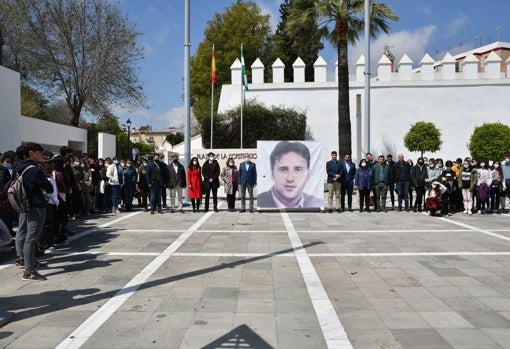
[[244, 78]]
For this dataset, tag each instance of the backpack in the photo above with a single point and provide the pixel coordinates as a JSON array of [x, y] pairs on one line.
[[16, 193]]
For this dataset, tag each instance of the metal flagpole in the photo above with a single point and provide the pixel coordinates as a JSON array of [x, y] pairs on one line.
[[187, 107], [242, 103], [366, 143], [213, 68]]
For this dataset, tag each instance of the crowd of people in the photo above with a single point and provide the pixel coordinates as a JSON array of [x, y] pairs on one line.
[[65, 187], [439, 187]]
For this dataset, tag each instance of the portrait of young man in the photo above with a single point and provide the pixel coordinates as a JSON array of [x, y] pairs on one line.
[[294, 178]]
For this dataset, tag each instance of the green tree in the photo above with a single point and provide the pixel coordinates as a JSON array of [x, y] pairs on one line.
[[242, 23], [33, 103], [423, 136], [259, 123], [340, 22], [175, 138], [84, 50], [288, 52], [490, 141]]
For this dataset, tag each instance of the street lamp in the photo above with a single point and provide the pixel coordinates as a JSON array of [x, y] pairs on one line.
[[128, 124]]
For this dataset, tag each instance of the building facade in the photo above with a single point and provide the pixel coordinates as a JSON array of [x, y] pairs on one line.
[[456, 94]]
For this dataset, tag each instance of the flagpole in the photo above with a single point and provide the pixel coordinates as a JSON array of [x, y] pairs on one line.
[[242, 103], [213, 63]]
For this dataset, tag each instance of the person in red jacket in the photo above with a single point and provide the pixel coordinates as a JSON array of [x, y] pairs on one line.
[[194, 180]]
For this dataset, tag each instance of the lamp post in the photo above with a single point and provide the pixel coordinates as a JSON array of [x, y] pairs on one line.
[[128, 124]]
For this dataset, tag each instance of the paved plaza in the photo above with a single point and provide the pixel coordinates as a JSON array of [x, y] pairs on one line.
[[288, 280]]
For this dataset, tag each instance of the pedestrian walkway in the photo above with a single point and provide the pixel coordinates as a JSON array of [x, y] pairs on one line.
[[299, 280]]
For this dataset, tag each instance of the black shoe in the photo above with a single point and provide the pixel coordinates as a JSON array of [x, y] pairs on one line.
[[172, 210], [194, 210], [216, 210], [242, 210], [330, 210], [20, 263], [251, 210], [350, 210], [33, 276], [160, 211], [152, 212], [339, 211]]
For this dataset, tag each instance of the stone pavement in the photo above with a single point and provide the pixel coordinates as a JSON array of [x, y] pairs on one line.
[[299, 280]]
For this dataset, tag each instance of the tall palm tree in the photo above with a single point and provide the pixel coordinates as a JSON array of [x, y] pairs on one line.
[[340, 22]]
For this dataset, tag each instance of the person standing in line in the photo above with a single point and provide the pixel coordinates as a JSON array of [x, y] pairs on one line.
[[467, 182], [165, 173], [418, 179], [194, 180], [334, 171], [154, 179], [130, 176], [402, 177], [229, 176], [363, 180], [142, 184], [247, 181], [505, 167], [6, 214], [391, 179], [347, 181], [115, 179], [31, 222], [176, 183], [211, 174], [380, 179]]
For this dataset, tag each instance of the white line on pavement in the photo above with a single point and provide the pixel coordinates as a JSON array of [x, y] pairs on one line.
[[79, 336], [473, 228], [344, 254], [331, 327]]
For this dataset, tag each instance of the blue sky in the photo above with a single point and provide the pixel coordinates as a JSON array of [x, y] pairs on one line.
[[425, 26]]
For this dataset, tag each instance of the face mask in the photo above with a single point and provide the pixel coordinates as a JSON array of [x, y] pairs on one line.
[[449, 168], [156, 161], [82, 165], [496, 166], [231, 164], [482, 164], [364, 165], [195, 162], [246, 159], [431, 165], [116, 162], [76, 163], [122, 164], [440, 165], [420, 162], [145, 164], [175, 161], [128, 165], [507, 161], [466, 166], [211, 158], [100, 164], [8, 165]]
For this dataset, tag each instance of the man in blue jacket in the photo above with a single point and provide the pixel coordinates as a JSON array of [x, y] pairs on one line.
[[347, 181], [31, 222], [247, 180], [335, 172]]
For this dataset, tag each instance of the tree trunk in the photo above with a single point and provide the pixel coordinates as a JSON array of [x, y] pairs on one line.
[[344, 115]]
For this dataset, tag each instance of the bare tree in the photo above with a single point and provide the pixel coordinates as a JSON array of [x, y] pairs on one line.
[[84, 50]]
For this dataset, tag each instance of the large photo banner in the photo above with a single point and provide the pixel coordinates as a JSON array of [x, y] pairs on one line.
[[290, 174]]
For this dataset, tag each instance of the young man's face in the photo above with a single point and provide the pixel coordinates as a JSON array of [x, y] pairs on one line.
[[290, 174], [36, 156]]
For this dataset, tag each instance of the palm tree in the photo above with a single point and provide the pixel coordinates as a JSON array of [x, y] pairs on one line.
[[340, 22]]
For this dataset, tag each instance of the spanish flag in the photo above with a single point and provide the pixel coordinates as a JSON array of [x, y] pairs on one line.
[[213, 67]]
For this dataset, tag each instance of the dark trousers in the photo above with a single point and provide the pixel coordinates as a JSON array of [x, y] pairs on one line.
[[403, 194], [214, 195], [364, 199], [128, 195], [30, 228], [156, 197], [420, 191], [231, 200], [346, 189], [391, 188]]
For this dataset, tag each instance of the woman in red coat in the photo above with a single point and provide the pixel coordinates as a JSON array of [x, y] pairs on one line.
[[194, 179]]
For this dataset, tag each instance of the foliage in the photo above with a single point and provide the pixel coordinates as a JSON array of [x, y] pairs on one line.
[[11, 43], [242, 23], [423, 136], [144, 148], [83, 50], [340, 22], [58, 112], [33, 103], [288, 52], [490, 141], [175, 138], [259, 123]]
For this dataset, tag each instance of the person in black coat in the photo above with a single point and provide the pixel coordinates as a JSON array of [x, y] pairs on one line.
[[211, 174]]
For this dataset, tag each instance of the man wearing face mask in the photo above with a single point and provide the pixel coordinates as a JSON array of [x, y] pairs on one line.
[[115, 179], [142, 183], [154, 179], [419, 180], [211, 173], [176, 183], [247, 181]]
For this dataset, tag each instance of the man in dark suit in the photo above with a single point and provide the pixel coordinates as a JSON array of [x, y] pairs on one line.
[[211, 174], [247, 180], [347, 181], [154, 179]]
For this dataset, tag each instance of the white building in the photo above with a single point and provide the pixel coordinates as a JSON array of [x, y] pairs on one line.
[[455, 94], [16, 129]]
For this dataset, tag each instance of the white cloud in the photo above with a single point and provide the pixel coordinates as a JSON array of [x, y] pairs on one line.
[[271, 8], [457, 24], [174, 117], [413, 43]]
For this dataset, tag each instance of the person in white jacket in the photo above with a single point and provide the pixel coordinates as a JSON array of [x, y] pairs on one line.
[[115, 179]]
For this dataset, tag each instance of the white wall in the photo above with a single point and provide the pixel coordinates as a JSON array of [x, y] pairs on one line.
[[456, 106], [107, 145], [10, 109], [50, 133]]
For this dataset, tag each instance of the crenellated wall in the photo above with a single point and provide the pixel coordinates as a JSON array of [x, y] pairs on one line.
[[456, 95]]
